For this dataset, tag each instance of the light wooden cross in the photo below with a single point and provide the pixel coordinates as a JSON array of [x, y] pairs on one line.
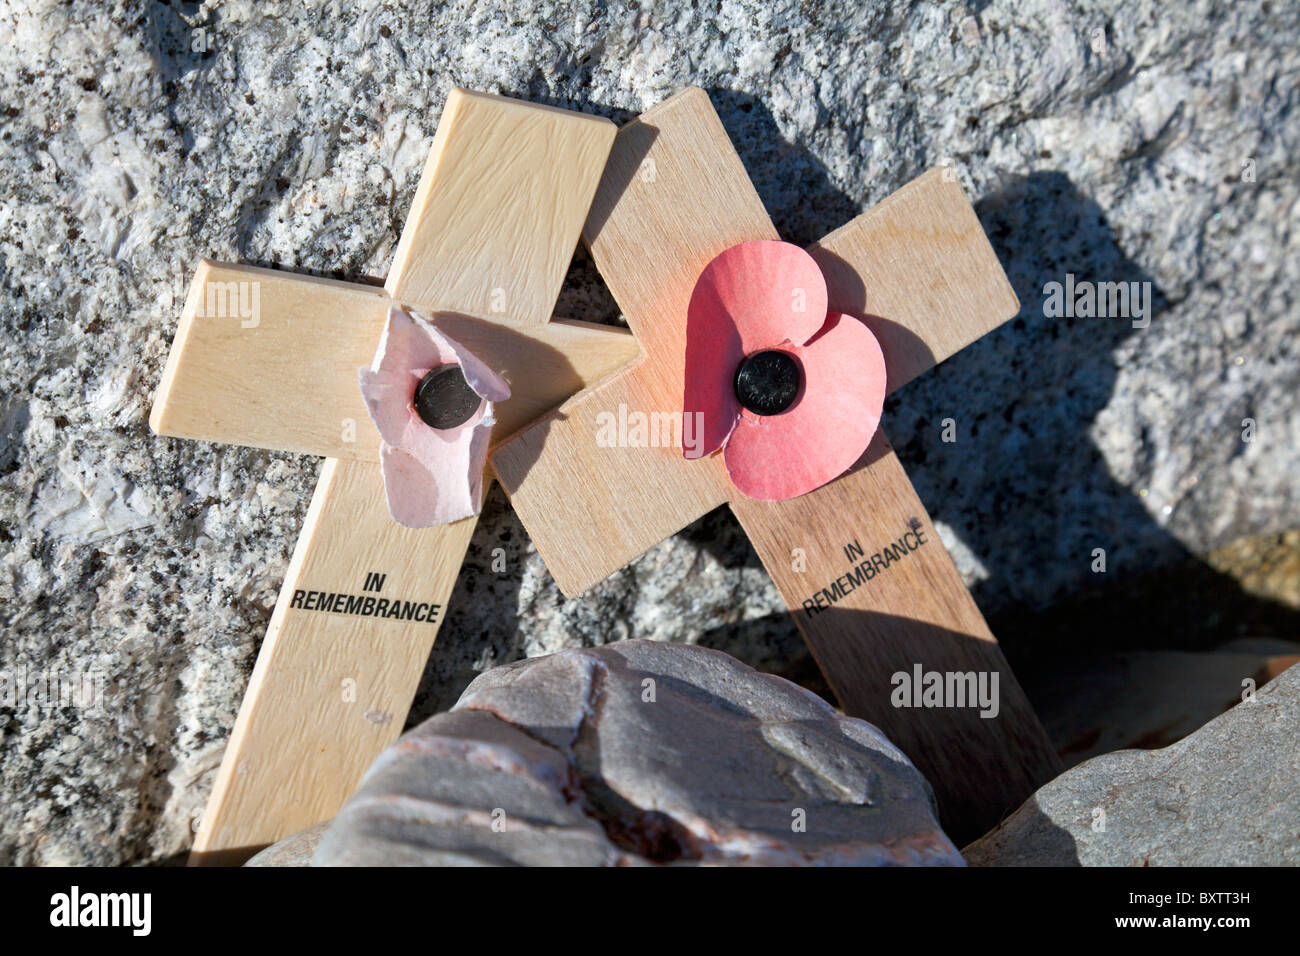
[[919, 270], [269, 359]]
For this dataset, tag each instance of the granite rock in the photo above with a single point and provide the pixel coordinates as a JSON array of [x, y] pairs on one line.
[[1135, 141], [1224, 796], [639, 752]]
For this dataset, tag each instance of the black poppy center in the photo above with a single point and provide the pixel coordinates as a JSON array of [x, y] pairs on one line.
[[767, 383], [443, 399]]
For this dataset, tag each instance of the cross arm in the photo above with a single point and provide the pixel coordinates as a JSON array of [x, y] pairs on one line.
[[263, 358], [597, 495], [269, 359], [918, 269]]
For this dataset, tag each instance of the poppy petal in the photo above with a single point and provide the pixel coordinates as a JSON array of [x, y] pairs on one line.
[[826, 430], [419, 497], [429, 444], [754, 296], [431, 476], [709, 407], [409, 342], [485, 382], [405, 352], [388, 400], [771, 292]]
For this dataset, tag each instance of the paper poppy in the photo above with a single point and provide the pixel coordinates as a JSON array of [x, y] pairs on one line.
[[790, 392], [431, 400]]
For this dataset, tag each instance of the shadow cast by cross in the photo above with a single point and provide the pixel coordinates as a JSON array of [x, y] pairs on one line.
[[1026, 487]]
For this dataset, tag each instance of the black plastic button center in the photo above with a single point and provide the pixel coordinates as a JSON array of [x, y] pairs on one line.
[[767, 383], [443, 399]]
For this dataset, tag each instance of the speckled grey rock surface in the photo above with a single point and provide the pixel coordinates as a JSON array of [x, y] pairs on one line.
[[639, 752], [1225, 796], [1117, 141]]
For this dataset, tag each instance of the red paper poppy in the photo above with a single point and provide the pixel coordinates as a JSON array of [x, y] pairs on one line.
[[762, 297]]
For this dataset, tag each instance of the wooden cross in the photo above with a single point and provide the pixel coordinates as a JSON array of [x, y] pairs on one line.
[[919, 270], [268, 359]]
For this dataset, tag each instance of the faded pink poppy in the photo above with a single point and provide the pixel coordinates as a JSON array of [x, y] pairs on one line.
[[432, 475], [791, 392]]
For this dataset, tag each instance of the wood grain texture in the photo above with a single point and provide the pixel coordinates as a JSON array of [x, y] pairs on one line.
[[920, 271], [495, 220], [330, 690], [281, 383], [907, 607], [673, 196], [502, 175], [290, 381], [603, 506]]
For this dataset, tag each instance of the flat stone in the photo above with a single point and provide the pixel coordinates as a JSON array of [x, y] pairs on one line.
[[1224, 796], [638, 753], [291, 851]]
